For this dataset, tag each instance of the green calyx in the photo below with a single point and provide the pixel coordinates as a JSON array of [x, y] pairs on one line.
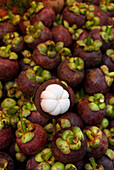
[[12, 38], [5, 52], [70, 167], [65, 123], [78, 8], [97, 102], [65, 53], [25, 130], [79, 95], [77, 34], [93, 136], [106, 33], [3, 163], [110, 108], [70, 29], [28, 58], [70, 140], [89, 45], [92, 165], [21, 157], [43, 166], [33, 32], [58, 165], [69, 2], [110, 154], [58, 20], [4, 120], [110, 53], [45, 156], [109, 76], [50, 49], [104, 124], [76, 63], [8, 103], [106, 5]]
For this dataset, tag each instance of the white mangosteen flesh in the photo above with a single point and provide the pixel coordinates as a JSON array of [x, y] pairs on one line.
[[55, 100]]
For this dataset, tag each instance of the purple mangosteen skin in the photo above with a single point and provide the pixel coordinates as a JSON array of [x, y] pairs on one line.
[[88, 116], [31, 163], [94, 81]]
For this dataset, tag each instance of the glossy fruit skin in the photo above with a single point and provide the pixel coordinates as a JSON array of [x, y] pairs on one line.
[[28, 87], [37, 144], [36, 117], [107, 61], [8, 69], [88, 116], [72, 78], [74, 119], [94, 81], [61, 34], [73, 156], [45, 61], [106, 162], [9, 159], [71, 18], [6, 136], [31, 163], [46, 15]]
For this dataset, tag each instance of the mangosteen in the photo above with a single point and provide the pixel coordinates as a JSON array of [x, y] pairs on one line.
[[61, 34], [69, 145], [36, 34], [109, 99], [8, 63], [52, 98], [6, 162], [103, 34], [43, 159], [75, 14], [108, 59], [97, 142], [108, 7], [31, 138], [107, 160], [92, 2], [89, 51], [110, 135], [6, 133], [71, 71], [93, 165], [98, 80], [92, 109], [3, 12], [29, 80], [15, 40], [42, 13], [70, 119], [47, 55], [26, 62]]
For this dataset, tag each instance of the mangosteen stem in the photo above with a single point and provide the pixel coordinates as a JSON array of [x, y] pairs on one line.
[[92, 160], [10, 15], [88, 42], [7, 48], [33, 4], [109, 29], [23, 125], [54, 126]]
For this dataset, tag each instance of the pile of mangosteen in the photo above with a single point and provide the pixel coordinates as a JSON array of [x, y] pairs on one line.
[[57, 85]]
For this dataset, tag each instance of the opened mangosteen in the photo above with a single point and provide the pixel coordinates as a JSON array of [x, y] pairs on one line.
[[97, 142], [53, 98], [8, 63], [36, 34], [15, 40], [92, 109], [108, 59], [29, 80], [103, 34], [75, 14], [6, 133], [107, 159], [89, 51], [71, 71], [70, 119], [69, 145], [42, 13], [98, 80], [31, 138], [6, 161]]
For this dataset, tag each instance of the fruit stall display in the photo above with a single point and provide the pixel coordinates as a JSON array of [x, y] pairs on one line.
[[56, 85]]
